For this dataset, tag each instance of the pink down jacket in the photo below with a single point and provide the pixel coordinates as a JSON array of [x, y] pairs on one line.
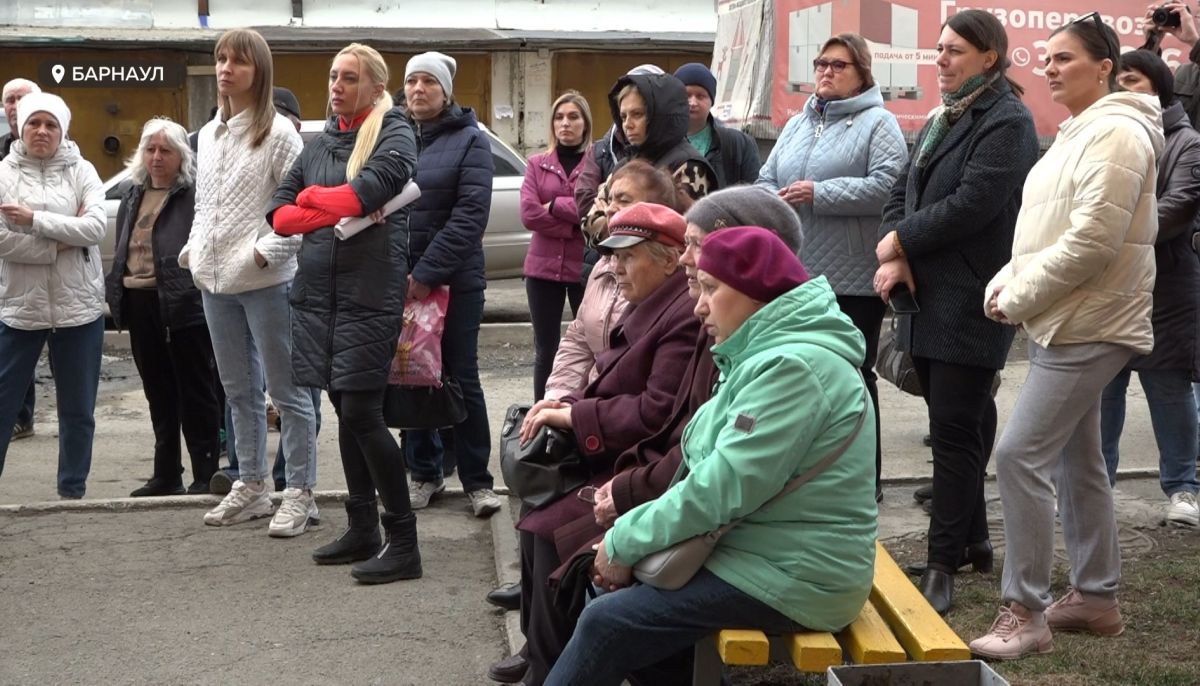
[[556, 248]]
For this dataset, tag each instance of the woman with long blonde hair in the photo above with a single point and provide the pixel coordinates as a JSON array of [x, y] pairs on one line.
[[244, 271], [348, 301]]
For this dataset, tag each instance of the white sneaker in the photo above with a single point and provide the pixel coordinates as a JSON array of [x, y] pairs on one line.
[[241, 505], [1183, 509], [296, 511], [421, 492], [484, 502]]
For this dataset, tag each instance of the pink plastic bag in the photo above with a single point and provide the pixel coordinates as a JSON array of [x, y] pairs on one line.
[[418, 359]]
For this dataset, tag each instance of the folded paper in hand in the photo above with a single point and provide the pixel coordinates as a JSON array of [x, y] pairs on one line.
[[350, 226]]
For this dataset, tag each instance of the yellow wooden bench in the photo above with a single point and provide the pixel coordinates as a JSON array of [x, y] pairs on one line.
[[895, 625]]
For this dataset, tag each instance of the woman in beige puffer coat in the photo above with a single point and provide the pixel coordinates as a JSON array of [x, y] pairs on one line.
[[51, 281], [1080, 283]]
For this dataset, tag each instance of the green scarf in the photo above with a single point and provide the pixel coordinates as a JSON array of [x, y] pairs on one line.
[[955, 104]]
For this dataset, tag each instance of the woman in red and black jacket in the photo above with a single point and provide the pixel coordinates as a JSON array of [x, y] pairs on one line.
[[554, 263], [348, 301]]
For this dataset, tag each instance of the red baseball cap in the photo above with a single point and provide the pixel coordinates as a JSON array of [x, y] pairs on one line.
[[645, 221]]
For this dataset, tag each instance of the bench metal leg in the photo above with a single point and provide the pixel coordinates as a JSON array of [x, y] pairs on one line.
[[708, 666]]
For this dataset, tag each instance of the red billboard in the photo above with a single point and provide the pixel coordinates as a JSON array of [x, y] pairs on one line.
[[903, 36]]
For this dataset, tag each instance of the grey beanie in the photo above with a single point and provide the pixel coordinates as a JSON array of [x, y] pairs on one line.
[[748, 206], [439, 66]]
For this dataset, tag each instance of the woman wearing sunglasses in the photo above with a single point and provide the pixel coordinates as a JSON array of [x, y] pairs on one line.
[[1079, 282], [835, 163]]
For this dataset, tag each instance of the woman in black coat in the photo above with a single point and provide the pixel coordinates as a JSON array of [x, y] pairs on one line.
[[454, 171], [1167, 372], [948, 227], [148, 291], [348, 301]]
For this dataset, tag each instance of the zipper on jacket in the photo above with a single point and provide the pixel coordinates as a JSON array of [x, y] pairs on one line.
[[820, 127], [333, 308]]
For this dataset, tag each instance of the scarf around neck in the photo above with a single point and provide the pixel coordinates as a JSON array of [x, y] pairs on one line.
[[955, 104]]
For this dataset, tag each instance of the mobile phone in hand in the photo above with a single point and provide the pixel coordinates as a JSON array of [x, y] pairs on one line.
[[902, 301]]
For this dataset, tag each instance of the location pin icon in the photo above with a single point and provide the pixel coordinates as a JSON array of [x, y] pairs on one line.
[[57, 71]]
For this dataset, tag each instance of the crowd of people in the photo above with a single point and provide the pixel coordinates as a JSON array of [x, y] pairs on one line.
[[718, 373]]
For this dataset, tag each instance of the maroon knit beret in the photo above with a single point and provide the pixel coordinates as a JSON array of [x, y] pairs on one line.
[[752, 260]]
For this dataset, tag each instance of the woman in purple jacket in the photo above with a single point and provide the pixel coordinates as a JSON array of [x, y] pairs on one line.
[[554, 263]]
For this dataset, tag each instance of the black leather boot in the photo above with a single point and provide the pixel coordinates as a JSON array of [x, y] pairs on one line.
[[204, 465], [938, 588], [978, 555], [359, 541], [399, 557]]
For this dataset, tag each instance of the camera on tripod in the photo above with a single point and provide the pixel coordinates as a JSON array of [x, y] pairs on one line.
[[1165, 18]]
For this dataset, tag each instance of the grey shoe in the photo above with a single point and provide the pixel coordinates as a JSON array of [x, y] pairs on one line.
[[421, 492], [22, 431], [484, 502], [220, 483]]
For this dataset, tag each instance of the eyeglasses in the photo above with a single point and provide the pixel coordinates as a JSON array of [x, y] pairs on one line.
[[838, 66]]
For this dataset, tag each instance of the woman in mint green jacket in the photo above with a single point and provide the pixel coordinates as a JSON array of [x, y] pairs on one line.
[[789, 395]]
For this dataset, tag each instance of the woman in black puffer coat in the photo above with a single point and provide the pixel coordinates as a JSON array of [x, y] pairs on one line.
[[348, 301]]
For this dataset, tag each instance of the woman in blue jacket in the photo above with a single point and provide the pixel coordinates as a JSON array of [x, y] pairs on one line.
[[454, 172], [835, 163]]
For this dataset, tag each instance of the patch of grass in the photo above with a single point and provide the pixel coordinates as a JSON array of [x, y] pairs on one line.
[[1160, 601]]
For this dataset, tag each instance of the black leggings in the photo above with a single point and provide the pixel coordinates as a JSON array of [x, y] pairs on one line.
[[962, 424], [866, 311], [546, 300], [371, 458]]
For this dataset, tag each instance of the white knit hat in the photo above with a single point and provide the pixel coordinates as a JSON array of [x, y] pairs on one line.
[[439, 66], [44, 102]]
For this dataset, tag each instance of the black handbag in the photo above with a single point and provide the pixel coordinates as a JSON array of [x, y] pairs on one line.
[[424, 407], [895, 365], [544, 469]]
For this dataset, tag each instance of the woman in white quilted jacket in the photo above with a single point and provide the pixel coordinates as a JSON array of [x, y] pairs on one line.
[[835, 163], [244, 271], [51, 281], [1080, 282]]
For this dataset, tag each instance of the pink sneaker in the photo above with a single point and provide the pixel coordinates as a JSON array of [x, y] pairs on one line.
[[1078, 612], [1017, 632]]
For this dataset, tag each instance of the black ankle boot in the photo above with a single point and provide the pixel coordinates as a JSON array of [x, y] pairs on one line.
[[157, 486], [399, 557], [979, 556], [938, 588], [204, 465], [359, 541]]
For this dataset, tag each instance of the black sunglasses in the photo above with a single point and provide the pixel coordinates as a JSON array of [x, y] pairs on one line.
[[1094, 17]]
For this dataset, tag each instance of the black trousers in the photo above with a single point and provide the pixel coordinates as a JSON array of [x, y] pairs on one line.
[[547, 629], [371, 458], [962, 424], [546, 300], [180, 382], [866, 311]]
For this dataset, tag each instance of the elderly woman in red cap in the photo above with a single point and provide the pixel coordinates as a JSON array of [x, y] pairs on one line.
[[629, 400], [784, 451]]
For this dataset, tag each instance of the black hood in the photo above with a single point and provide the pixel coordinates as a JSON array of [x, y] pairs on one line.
[[1174, 117], [666, 112]]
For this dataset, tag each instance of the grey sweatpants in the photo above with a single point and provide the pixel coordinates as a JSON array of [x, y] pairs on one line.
[[1053, 437]]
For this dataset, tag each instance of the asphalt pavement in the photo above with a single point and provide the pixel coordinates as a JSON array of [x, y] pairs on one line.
[[109, 590]]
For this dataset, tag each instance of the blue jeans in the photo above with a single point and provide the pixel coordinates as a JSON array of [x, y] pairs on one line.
[[1173, 416], [243, 325], [470, 441], [279, 468], [636, 627], [76, 351]]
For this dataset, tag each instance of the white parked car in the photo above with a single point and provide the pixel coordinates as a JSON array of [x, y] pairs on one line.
[[505, 240]]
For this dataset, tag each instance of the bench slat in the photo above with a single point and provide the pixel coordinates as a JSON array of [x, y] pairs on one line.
[[743, 647], [922, 632], [815, 651], [869, 640]]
